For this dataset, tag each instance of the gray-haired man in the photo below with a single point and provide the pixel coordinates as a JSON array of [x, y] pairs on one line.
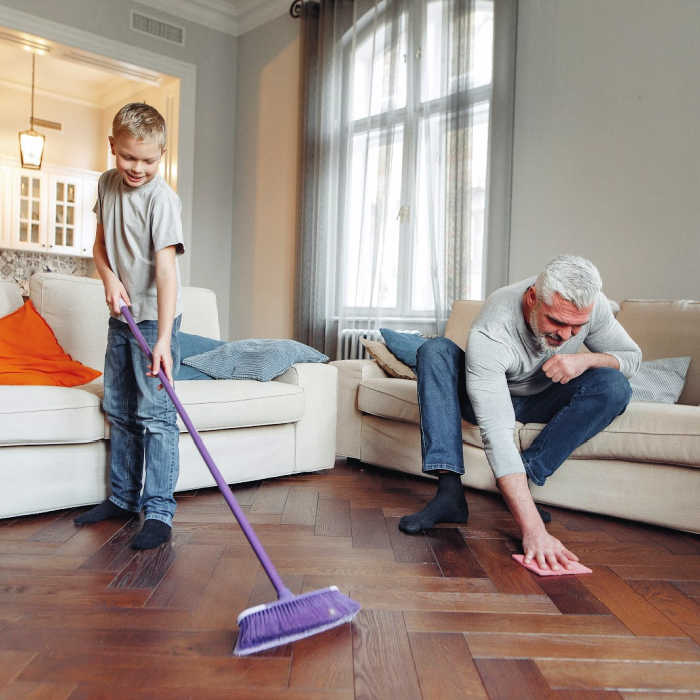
[[522, 364]]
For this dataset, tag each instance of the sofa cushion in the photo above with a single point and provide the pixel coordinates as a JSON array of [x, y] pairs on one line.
[[398, 399], [37, 415], [667, 329], [10, 297], [30, 353], [233, 403], [75, 309], [645, 432]]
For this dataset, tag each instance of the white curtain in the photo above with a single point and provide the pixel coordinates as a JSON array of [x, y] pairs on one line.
[[397, 160]]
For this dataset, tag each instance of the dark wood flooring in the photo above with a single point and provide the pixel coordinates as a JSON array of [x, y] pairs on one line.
[[445, 615]]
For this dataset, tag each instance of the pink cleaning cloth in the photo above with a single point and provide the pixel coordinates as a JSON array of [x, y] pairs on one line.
[[576, 568]]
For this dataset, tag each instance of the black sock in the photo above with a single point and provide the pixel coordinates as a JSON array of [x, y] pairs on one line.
[[153, 533], [544, 514], [448, 506], [102, 511]]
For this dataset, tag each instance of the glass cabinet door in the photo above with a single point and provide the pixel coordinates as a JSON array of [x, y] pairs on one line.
[[30, 193], [65, 213]]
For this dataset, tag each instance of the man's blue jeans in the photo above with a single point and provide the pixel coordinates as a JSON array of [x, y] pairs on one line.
[[143, 424], [573, 412]]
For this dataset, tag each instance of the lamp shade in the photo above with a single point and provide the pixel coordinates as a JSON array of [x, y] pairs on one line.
[[31, 148]]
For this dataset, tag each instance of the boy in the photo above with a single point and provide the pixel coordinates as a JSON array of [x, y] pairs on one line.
[[139, 234]]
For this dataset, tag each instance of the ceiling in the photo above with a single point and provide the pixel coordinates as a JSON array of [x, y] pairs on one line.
[[230, 16], [67, 73]]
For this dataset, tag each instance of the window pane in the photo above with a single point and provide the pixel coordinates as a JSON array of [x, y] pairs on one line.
[[446, 57], [69, 215], [371, 253], [450, 197], [24, 186], [23, 208], [35, 210], [59, 214], [70, 193], [35, 233], [379, 69], [59, 235], [59, 191], [36, 188], [23, 232], [69, 236]]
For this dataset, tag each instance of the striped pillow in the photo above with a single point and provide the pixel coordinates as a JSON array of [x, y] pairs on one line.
[[262, 359], [660, 380]]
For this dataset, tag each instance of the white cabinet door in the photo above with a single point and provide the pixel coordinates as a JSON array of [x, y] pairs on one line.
[[5, 206], [28, 227], [65, 214], [89, 220]]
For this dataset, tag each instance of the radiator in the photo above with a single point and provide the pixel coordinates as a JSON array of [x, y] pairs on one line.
[[350, 347]]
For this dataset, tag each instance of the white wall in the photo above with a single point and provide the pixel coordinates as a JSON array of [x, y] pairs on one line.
[[214, 55], [77, 145], [267, 158], [607, 159]]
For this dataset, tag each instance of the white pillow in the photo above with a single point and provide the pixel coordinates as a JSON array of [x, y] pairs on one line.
[[660, 380]]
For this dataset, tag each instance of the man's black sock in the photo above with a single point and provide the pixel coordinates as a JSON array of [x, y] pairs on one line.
[[102, 511], [153, 534], [544, 514], [448, 506]]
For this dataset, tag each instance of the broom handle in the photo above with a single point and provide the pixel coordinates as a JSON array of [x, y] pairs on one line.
[[282, 590]]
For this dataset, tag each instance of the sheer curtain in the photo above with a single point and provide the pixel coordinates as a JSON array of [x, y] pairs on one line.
[[398, 160]]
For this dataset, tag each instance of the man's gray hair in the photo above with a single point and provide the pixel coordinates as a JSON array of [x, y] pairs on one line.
[[575, 279]]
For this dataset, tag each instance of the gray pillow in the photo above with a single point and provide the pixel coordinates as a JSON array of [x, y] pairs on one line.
[[257, 358], [660, 380]]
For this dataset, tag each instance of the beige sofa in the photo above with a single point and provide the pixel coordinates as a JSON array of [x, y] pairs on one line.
[[54, 440], [645, 466]]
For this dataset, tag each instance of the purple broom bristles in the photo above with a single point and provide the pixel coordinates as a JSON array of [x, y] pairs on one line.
[[290, 619]]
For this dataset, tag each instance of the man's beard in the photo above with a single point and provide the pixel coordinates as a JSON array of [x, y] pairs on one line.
[[540, 337]]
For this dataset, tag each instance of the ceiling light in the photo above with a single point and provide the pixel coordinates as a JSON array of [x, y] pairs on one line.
[[31, 143]]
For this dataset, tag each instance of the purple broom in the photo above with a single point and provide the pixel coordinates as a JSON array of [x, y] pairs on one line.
[[290, 617]]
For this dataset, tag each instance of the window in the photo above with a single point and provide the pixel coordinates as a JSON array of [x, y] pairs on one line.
[[414, 167]]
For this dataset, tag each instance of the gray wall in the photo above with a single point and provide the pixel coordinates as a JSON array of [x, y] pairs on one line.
[[607, 159], [214, 54], [267, 157]]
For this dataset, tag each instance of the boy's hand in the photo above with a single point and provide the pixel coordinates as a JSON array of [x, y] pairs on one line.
[[116, 296], [162, 357]]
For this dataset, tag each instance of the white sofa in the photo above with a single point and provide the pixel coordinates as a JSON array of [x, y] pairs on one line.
[[644, 466], [54, 440]]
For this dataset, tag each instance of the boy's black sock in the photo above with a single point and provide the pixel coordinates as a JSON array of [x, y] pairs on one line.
[[102, 511], [153, 534], [544, 514], [448, 506]]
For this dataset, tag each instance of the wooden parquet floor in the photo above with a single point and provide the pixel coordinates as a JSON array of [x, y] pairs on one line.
[[445, 615]]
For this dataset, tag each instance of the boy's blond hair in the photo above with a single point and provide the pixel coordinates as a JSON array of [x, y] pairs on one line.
[[142, 121]]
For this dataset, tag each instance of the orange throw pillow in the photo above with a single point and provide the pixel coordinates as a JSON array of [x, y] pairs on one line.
[[30, 353]]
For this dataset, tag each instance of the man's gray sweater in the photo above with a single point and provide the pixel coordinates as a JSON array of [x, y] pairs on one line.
[[504, 358]]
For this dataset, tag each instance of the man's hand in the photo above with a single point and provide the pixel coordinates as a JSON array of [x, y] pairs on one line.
[[564, 368], [547, 551], [162, 357], [115, 295], [538, 544]]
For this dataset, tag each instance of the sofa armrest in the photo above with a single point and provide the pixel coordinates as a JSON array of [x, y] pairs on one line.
[[351, 373], [315, 432]]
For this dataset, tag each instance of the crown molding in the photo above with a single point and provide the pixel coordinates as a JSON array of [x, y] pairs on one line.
[[235, 18]]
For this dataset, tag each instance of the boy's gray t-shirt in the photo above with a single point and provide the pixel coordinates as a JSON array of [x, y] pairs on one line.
[[137, 223]]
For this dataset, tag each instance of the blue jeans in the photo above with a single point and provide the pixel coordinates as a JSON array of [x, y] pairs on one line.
[[143, 424], [573, 412]]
